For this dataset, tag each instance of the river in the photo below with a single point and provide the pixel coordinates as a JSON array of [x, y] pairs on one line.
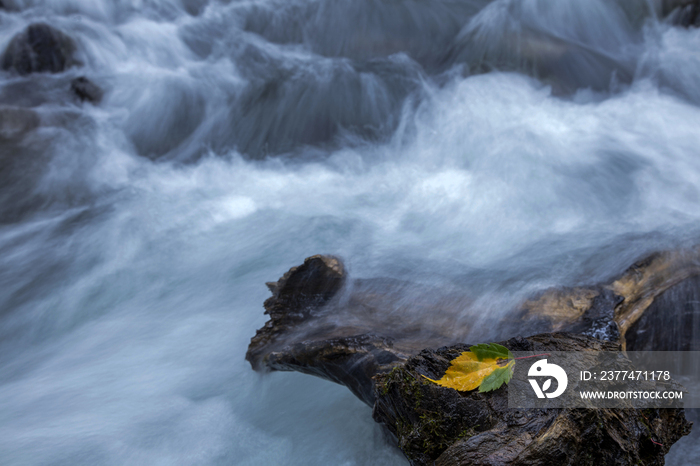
[[501, 147]]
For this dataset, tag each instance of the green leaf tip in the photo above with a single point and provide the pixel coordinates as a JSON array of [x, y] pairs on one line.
[[491, 351], [497, 378]]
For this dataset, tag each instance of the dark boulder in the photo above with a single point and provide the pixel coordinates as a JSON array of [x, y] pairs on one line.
[[40, 48], [294, 107], [86, 90], [688, 16], [684, 13]]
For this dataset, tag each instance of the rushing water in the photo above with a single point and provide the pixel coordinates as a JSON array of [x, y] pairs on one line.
[[496, 147]]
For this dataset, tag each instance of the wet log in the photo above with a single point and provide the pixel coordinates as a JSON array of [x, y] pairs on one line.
[[323, 324]]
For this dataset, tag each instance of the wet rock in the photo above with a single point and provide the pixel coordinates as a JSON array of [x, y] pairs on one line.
[[164, 119], [194, 7], [298, 107], [350, 361], [441, 426], [362, 30], [646, 281], [671, 322], [294, 296], [547, 41], [684, 13], [86, 90], [598, 321], [588, 311], [687, 16], [40, 48], [611, 310], [11, 5]]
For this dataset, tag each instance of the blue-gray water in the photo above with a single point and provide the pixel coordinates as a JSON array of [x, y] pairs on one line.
[[497, 147]]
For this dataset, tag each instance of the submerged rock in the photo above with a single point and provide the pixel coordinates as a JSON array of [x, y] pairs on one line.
[[303, 106], [39, 48], [563, 44], [688, 16], [684, 13], [86, 90]]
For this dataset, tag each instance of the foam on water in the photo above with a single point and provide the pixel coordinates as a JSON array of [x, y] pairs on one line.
[[137, 235]]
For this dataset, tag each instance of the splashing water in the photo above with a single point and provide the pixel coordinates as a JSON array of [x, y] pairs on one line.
[[497, 147]]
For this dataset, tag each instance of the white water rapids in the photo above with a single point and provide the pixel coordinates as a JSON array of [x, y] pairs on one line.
[[496, 147]]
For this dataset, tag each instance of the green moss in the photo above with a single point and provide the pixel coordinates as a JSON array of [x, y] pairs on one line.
[[435, 439], [384, 381], [408, 385], [468, 432], [422, 432]]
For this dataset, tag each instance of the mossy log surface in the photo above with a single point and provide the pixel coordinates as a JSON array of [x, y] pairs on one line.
[[441, 426]]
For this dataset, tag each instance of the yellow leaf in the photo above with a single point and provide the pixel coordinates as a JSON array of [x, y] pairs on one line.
[[466, 372]]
